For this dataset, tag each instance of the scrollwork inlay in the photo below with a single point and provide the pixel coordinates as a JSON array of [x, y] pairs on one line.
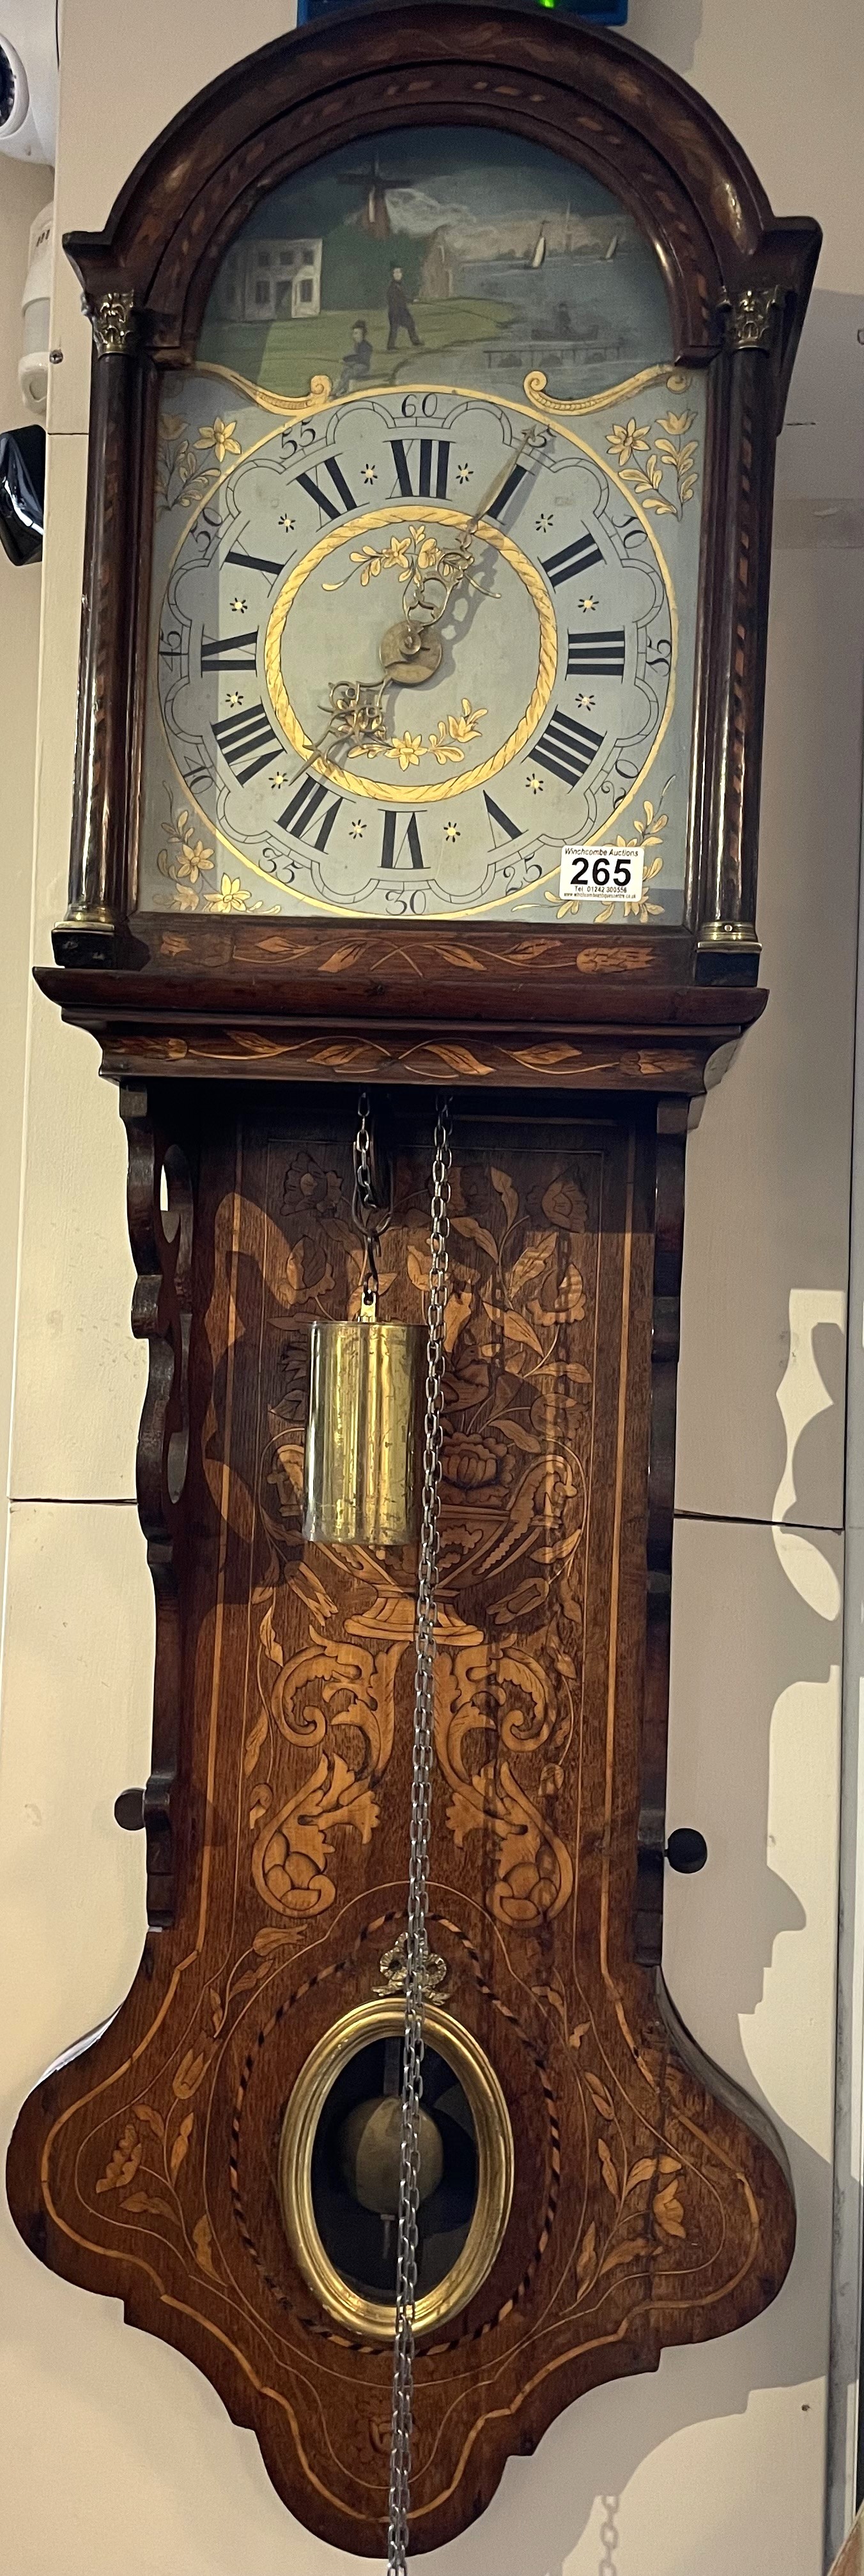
[[514, 1500]]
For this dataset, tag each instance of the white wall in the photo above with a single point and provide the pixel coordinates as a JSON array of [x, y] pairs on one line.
[[22, 192], [120, 2457]]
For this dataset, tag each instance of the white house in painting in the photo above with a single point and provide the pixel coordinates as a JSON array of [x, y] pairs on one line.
[[271, 281]]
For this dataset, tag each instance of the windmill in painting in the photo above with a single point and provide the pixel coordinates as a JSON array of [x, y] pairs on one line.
[[375, 212]]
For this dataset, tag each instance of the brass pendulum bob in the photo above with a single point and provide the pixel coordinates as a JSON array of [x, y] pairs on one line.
[[369, 2148], [362, 1444]]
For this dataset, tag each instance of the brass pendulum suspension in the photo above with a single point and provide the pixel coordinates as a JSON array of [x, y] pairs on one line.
[[362, 1444]]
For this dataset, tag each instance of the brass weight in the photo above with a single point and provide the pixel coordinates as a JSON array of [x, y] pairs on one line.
[[363, 1440]]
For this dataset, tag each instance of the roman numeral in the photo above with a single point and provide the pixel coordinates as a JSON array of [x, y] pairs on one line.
[[243, 736], [344, 496], [567, 748], [506, 493], [253, 563], [302, 811], [228, 652], [500, 821], [597, 656], [572, 559], [434, 453], [393, 858]]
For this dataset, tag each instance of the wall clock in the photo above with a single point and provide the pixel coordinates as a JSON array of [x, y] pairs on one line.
[[436, 385]]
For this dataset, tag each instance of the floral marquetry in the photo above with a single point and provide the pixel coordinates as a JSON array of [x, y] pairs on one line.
[[641, 2209]]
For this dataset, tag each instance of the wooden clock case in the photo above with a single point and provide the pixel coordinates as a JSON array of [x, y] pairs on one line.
[[651, 2204]]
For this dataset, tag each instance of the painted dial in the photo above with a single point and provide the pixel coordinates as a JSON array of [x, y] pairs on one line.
[[410, 645]]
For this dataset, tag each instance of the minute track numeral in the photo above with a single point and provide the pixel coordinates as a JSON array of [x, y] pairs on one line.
[[344, 501], [597, 656], [228, 652], [303, 808], [248, 741], [567, 748], [432, 467], [571, 560], [198, 775]]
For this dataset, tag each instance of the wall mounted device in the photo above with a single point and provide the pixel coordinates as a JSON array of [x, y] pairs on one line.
[[603, 13], [29, 59], [35, 359]]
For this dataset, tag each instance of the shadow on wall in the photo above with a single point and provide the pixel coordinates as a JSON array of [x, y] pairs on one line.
[[811, 1399], [758, 1651]]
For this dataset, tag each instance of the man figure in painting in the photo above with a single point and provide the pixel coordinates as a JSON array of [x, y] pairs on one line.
[[356, 362], [399, 312]]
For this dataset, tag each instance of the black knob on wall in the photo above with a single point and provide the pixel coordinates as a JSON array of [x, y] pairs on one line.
[[686, 1850], [129, 1810]]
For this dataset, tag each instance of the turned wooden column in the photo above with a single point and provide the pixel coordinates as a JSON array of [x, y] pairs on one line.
[[93, 931], [737, 645]]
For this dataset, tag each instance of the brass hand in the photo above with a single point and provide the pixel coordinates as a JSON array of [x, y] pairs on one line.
[[498, 482], [355, 716], [410, 651]]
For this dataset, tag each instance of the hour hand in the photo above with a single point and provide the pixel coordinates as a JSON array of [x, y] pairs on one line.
[[357, 714], [411, 651]]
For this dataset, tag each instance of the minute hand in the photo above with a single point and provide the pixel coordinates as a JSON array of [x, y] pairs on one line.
[[496, 486]]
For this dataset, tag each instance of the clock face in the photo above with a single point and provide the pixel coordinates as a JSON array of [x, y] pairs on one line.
[[413, 638]]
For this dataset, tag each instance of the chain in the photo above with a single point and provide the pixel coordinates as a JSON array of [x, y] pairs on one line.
[[609, 2535], [416, 1947], [372, 1206]]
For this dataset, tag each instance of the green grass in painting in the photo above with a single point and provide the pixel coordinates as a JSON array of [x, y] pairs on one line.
[[283, 356]]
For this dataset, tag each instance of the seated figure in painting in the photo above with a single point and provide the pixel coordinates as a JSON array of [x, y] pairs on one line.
[[357, 361]]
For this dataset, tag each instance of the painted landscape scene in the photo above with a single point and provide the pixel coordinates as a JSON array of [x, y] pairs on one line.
[[438, 256]]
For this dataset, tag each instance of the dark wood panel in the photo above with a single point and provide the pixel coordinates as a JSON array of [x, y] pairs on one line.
[[646, 2211], [291, 972], [379, 1012]]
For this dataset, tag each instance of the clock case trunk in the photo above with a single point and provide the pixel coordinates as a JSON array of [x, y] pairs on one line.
[[655, 2205], [652, 2202]]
